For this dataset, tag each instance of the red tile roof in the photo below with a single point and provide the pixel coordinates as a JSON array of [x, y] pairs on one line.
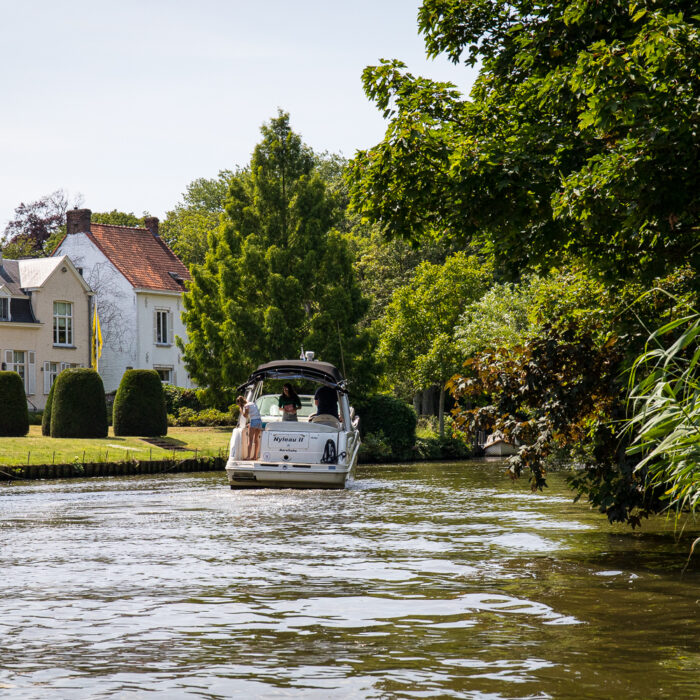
[[146, 261]]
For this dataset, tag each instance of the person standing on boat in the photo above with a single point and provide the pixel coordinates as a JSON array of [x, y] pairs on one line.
[[289, 402], [252, 415], [326, 400]]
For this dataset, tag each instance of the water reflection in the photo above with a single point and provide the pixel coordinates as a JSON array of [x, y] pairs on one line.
[[419, 580]]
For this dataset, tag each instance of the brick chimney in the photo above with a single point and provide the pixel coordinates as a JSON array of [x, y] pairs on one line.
[[78, 220], [151, 223]]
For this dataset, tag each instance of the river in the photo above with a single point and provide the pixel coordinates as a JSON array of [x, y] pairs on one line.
[[418, 581]]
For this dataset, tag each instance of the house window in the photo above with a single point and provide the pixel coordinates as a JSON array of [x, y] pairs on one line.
[[18, 365], [165, 374], [53, 373], [4, 309], [24, 363], [62, 323], [163, 327]]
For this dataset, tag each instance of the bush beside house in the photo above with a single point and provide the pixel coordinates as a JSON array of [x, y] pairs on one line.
[[46, 417], [78, 409], [139, 406], [14, 416]]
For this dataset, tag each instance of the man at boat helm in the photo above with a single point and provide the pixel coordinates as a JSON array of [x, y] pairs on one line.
[[326, 401]]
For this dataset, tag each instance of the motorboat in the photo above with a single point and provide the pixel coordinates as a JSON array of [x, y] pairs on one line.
[[315, 451], [496, 446]]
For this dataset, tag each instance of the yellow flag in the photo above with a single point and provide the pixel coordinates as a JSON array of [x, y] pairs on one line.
[[96, 344]]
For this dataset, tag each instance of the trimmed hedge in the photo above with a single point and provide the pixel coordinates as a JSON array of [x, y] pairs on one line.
[[391, 418], [79, 409], [46, 418], [14, 415], [139, 406]]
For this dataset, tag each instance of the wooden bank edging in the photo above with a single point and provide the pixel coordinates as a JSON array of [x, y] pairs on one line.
[[131, 468]]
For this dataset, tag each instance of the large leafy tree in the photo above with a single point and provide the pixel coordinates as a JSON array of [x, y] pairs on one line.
[[187, 227], [581, 135], [276, 274], [418, 327], [36, 226]]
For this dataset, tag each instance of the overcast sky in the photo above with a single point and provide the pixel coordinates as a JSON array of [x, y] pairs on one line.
[[127, 102]]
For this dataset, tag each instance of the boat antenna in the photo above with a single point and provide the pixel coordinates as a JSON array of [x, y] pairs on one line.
[[340, 342]]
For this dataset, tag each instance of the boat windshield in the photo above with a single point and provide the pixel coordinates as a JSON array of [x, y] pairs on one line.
[[269, 407]]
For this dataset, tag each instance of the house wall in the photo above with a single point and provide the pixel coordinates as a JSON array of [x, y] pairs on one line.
[[116, 307], [36, 340], [153, 355], [126, 317]]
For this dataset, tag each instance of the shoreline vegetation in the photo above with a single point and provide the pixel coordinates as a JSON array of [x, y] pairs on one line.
[[184, 449]]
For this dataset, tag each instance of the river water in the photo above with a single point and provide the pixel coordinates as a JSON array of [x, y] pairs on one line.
[[418, 581]]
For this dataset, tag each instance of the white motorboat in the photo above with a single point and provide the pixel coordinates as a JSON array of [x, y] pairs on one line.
[[496, 446], [315, 451]]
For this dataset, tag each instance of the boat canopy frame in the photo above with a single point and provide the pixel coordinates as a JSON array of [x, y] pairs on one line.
[[319, 372]]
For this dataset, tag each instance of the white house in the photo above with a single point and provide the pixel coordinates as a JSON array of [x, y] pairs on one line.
[[138, 282]]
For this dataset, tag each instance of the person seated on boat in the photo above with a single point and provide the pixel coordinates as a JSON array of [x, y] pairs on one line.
[[289, 402], [326, 400], [251, 413]]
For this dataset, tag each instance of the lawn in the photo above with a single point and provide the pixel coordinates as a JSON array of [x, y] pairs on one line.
[[180, 442]]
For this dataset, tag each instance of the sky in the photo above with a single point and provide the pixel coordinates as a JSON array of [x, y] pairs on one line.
[[127, 102]]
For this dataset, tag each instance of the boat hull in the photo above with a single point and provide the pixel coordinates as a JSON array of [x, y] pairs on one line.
[[250, 475]]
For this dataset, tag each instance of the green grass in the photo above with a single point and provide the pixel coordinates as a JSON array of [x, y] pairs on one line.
[[37, 449]]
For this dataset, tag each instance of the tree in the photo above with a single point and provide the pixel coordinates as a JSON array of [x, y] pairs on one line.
[[187, 227], [580, 135], [417, 339], [33, 231], [276, 275]]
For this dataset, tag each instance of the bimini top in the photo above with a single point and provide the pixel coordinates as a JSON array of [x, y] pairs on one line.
[[322, 372]]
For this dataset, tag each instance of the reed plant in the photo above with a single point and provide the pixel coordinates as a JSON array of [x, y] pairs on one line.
[[664, 398]]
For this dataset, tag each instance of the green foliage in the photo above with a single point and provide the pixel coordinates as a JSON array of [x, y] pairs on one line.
[[375, 448], [139, 406], [500, 318], [276, 275], [416, 341], [390, 417], [48, 409], [36, 417], [580, 135], [188, 226], [664, 393], [177, 398], [384, 266], [205, 417], [79, 409], [118, 218], [14, 416]]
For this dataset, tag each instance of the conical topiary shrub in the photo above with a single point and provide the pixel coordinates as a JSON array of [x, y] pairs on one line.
[[46, 417], [79, 409], [14, 416], [139, 406]]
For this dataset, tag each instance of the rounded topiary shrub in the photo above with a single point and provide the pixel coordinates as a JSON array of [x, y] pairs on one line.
[[78, 409], [14, 416], [139, 406], [46, 418], [394, 418]]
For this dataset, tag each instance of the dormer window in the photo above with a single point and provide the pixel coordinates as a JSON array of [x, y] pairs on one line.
[[4, 309]]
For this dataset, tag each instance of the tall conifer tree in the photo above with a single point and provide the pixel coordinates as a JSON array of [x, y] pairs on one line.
[[277, 274]]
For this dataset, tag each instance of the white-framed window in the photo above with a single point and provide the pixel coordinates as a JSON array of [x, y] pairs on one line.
[[52, 370], [24, 363], [166, 374], [62, 323], [4, 309], [163, 327]]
